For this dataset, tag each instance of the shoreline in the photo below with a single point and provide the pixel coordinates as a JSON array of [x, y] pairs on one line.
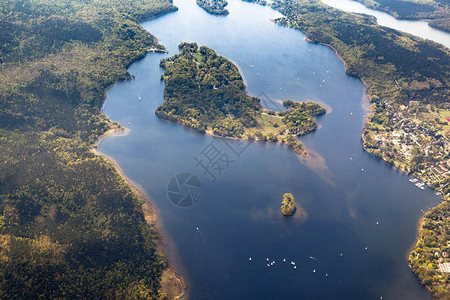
[[308, 158], [369, 110], [307, 153], [395, 15], [421, 220], [240, 72], [148, 208], [412, 247], [365, 122], [172, 282]]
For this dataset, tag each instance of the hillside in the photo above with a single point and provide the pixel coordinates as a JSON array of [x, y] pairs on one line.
[[437, 12]]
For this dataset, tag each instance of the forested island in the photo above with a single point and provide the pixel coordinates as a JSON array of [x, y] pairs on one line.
[[70, 226], [407, 126], [288, 205], [214, 7], [204, 91], [437, 12]]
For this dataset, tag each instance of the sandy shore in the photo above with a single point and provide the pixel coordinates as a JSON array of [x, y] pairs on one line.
[[172, 283]]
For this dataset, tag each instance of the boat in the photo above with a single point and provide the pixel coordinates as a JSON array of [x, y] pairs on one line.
[[420, 185]]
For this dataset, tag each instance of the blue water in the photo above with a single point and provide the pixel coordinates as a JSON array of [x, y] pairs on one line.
[[237, 215]]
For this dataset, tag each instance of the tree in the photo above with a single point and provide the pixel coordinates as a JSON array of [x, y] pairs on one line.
[[288, 206]]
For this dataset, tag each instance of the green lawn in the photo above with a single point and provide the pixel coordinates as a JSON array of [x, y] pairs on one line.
[[265, 125]]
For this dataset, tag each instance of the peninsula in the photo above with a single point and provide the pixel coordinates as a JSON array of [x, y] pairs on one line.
[[204, 91]]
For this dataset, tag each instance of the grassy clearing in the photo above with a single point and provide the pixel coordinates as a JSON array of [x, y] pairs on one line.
[[267, 124]]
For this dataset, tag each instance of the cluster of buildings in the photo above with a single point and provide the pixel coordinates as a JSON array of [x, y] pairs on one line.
[[414, 139]]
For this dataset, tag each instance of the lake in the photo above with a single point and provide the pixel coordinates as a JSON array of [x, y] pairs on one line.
[[361, 213], [417, 28]]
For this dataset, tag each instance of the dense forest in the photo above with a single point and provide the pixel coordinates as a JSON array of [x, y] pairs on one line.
[[214, 7], [436, 11], [70, 226], [205, 91]]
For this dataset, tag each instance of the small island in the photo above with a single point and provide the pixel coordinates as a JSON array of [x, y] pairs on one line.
[[205, 91], [214, 7], [288, 206]]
